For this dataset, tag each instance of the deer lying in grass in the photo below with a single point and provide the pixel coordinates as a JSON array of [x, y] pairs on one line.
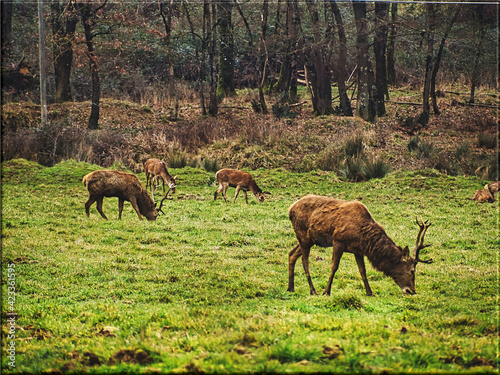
[[493, 188], [157, 170], [239, 180], [483, 195], [125, 186], [349, 227], [487, 194]]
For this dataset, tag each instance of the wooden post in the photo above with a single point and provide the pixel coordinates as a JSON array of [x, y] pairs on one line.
[[42, 63]]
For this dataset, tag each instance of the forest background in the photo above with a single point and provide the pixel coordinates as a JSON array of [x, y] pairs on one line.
[[255, 84]]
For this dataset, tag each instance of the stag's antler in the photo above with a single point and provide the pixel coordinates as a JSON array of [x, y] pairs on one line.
[[161, 203], [420, 238]]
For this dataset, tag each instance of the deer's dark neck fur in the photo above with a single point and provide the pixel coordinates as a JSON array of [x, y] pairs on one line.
[[144, 202], [254, 188], [380, 250]]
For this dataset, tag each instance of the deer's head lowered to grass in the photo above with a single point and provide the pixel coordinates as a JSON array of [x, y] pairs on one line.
[[125, 186], [239, 180], [347, 226], [156, 170]]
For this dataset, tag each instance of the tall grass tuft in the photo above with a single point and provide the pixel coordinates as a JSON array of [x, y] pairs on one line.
[[210, 165], [177, 159], [413, 143], [376, 168], [487, 140], [353, 169], [329, 159], [424, 149], [462, 151], [353, 147]]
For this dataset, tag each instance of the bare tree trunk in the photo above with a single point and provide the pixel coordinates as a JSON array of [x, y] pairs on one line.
[[341, 63], [85, 11], [200, 54], [6, 35], [43, 63], [297, 45], [225, 85], [167, 21], [213, 104], [283, 83], [379, 47], [245, 22], [391, 45], [263, 54], [63, 48], [437, 63], [429, 61], [365, 104], [318, 73], [475, 74]]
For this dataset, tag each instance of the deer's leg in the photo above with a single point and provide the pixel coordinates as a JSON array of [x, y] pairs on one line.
[[305, 263], [89, 203], [362, 270], [292, 259], [99, 207], [338, 250], [120, 207], [153, 187], [236, 194], [133, 201], [224, 188], [219, 189], [246, 197], [147, 180]]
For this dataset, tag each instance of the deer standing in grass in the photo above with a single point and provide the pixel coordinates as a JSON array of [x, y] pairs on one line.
[[239, 180], [155, 170], [125, 186], [347, 226]]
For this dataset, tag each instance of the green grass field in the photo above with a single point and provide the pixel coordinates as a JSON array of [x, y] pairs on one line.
[[203, 289]]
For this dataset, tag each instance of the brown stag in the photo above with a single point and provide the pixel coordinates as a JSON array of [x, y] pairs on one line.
[[349, 227], [157, 170], [239, 180], [125, 186]]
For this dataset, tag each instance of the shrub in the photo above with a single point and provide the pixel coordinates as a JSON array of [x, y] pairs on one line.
[[413, 143], [488, 170], [414, 124], [487, 140], [376, 168], [353, 147], [352, 169], [210, 165], [444, 163], [462, 150], [283, 111], [177, 159], [328, 160]]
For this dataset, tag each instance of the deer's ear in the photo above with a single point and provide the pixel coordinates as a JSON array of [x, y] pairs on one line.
[[406, 252]]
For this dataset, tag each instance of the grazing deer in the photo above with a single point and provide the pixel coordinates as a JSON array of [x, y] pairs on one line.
[[349, 227], [239, 180], [156, 169], [125, 186]]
